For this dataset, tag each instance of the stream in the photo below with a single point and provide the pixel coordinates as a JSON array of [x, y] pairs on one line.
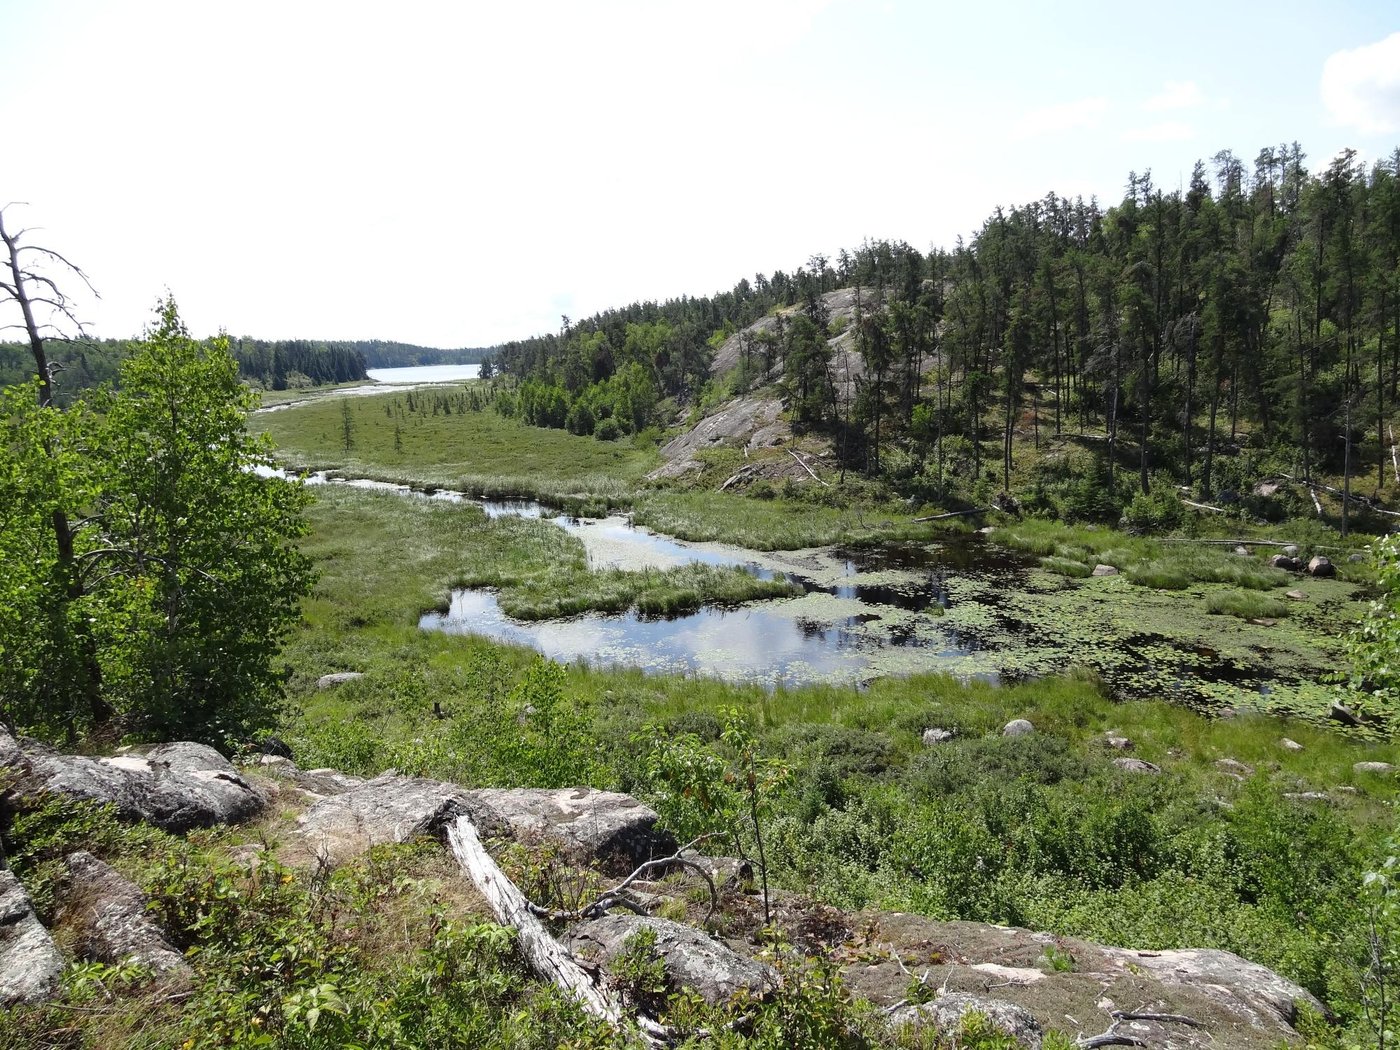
[[960, 604]]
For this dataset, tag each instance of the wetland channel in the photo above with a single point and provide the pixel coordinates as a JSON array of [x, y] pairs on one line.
[[959, 604]]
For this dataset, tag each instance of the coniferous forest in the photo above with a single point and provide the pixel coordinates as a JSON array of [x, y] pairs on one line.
[[1258, 305]]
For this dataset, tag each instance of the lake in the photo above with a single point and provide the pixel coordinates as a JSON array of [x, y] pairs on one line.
[[425, 374]]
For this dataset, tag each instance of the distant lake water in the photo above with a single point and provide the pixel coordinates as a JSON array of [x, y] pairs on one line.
[[425, 374]]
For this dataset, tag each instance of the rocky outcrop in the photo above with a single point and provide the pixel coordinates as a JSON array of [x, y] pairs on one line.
[[1236, 1003], [113, 924], [1235, 983], [176, 787], [612, 829], [752, 422], [693, 960], [30, 964], [387, 809], [946, 1014]]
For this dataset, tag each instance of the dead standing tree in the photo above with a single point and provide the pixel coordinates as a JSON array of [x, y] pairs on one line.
[[26, 283]]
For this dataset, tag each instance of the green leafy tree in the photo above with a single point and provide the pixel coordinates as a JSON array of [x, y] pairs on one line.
[[199, 550]]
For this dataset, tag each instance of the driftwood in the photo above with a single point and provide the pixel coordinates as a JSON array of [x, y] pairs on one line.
[[1112, 1037], [547, 957], [808, 469], [1350, 497], [618, 894], [1203, 506], [1394, 459], [953, 514]]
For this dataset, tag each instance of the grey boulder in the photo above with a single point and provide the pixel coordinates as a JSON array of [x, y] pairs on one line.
[[607, 827], [113, 922], [385, 810], [1321, 566], [945, 1015], [693, 960], [1017, 727], [176, 787], [30, 963], [330, 681]]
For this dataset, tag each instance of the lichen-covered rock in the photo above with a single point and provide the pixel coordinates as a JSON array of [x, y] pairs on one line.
[[1373, 767], [110, 913], [692, 958], [1226, 977], [935, 735], [610, 828], [176, 787], [1017, 727], [30, 963], [330, 681], [1137, 765], [946, 1014], [384, 810]]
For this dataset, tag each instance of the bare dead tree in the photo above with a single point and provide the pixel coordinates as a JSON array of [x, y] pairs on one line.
[[44, 306]]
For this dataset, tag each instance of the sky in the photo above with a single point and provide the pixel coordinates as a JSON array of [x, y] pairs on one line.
[[462, 174]]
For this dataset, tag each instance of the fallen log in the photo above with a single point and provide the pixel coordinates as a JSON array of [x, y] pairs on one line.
[[953, 514], [1202, 506], [547, 957], [808, 469], [1394, 459]]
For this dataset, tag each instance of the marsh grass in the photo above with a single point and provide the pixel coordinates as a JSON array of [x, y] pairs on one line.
[[477, 451], [1065, 567], [1247, 605]]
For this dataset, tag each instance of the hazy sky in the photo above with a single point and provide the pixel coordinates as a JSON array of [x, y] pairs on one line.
[[459, 174]]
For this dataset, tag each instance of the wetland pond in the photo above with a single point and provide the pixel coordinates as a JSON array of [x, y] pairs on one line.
[[959, 604]]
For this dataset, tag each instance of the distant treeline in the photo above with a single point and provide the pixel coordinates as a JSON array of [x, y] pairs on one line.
[[388, 354], [282, 363], [275, 364]]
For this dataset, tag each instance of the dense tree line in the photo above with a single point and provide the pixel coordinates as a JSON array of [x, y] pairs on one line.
[[282, 363], [379, 353], [1260, 304]]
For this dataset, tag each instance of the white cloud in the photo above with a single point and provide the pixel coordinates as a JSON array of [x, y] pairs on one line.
[[1176, 94], [1162, 131], [1064, 116], [1361, 87]]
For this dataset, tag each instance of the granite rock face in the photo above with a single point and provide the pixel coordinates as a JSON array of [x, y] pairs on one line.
[[113, 921], [176, 787], [31, 965], [693, 959]]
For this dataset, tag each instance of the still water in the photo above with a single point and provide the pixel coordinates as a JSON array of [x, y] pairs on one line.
[[424, 374]]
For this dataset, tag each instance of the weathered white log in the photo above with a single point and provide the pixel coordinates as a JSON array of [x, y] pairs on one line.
[[547, 957], [1394, 459], [1202, 506], [808, 469], [953, 514]]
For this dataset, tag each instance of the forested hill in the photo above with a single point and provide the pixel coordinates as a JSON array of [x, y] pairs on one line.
[[1259, 304], [388, 354]]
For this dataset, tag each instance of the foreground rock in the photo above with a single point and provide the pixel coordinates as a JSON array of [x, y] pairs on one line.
[[946, 1013], [1239, 1004], [387, 809], [693, 960], [176, 787], [603, 827], [110, 914], [1018, 727], [30, 964], [609, 828]]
